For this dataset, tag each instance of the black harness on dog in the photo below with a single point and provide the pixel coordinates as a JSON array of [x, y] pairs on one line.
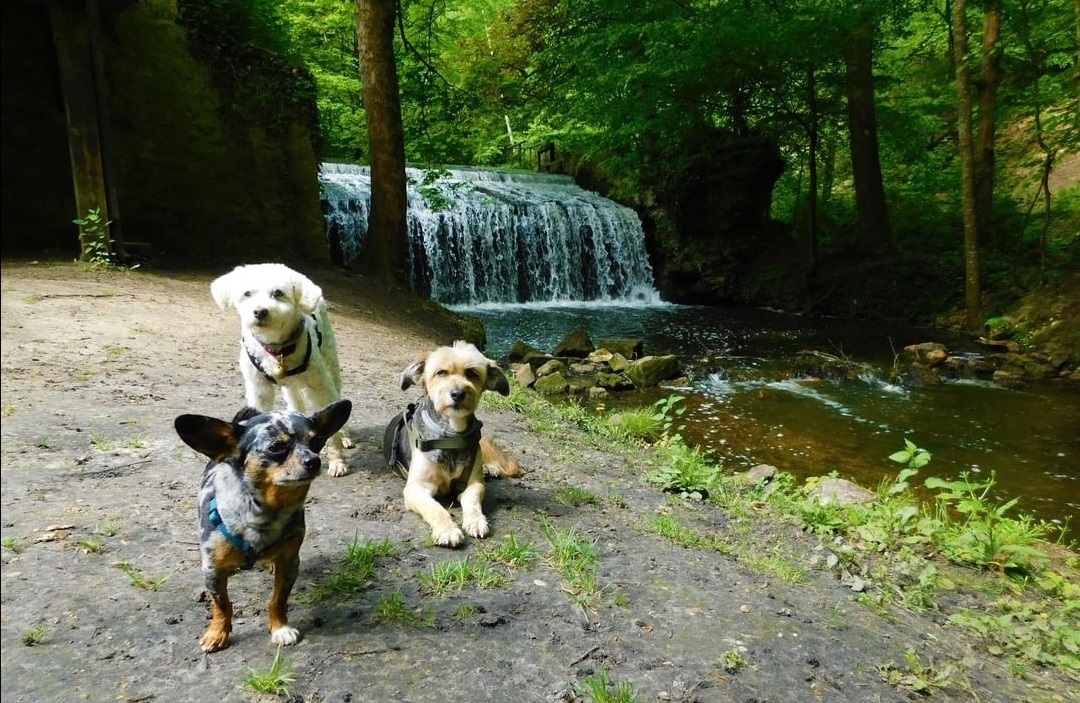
[[418, 429], [280, 351]]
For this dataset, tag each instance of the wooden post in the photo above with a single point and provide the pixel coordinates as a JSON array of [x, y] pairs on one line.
[[71, 37]]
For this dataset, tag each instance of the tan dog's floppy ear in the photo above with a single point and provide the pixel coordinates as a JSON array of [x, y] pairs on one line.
[[206, 435], [306, 293], [221, 290], [496, 380], [413, 375]]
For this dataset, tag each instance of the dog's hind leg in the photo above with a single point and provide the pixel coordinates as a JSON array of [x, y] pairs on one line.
[[216, 636], [286, 566]]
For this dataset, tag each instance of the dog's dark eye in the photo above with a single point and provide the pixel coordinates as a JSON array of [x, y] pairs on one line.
[[472, 374], [278, 447], [278, 293], [442, 372], [248, 293]]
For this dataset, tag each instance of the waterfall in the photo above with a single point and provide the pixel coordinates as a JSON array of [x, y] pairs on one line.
[[498, 236]]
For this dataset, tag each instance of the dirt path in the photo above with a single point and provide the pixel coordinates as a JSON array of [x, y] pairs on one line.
[[97, 487]]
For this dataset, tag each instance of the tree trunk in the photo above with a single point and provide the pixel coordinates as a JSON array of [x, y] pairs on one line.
[[972, 292], [812, 212], [383, 252], [74, 56], [989, 79], [871, 211]]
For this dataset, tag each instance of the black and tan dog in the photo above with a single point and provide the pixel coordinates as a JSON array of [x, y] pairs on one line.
[[251, 503], [437, 443]]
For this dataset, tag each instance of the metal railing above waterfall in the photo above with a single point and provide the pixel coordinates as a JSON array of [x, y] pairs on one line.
[[499, 236]]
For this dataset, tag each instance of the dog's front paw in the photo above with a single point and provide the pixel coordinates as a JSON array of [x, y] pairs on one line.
[[285, 635], [214, 640], [477, 527], [337, 468], [450, 537], [346, 442]]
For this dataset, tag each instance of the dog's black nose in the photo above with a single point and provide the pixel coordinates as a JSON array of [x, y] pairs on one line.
[[457, 395], [260, 313], [313, 463]]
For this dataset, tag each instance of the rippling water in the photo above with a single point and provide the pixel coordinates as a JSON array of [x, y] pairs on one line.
[[740, 411]]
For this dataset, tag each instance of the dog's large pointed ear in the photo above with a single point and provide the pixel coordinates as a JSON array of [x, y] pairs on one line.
[[496, 379], [207, 435], [222, 290], [413, 375], [306, 293], [328, 421]]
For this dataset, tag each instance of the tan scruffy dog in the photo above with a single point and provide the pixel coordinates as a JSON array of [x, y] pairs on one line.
[[436, 442]]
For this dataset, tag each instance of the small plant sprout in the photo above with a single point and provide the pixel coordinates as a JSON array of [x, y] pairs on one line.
[[273, 680], [598, 688], [139, 579], [92, 544], [732, 660], [465, 611], [667, 412], [456, 574], [913, 458], [513, 552], [12, 545], [392, 608], [34, 635], [573, 495]]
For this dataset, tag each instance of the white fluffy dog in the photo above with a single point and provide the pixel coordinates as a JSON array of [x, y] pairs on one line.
[[286, 342]]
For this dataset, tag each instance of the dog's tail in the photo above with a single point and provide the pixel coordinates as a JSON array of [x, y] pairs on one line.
[[496, 461]]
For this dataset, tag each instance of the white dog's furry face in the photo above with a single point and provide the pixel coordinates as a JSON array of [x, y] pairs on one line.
[[269, 298]]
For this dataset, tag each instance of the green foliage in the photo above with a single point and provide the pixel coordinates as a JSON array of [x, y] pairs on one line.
[[682, 469], [34, 635], [575, 558], [355, 569], [139, 579], [918, 677], [436, 188], [732, 660], [1029, 633], [598, 688], [457, 574], [575, 495], [392, 608], [640, 424], [986, 536], [274, 679], [667, 412], [94, 238], [513, 552], [247, 47]]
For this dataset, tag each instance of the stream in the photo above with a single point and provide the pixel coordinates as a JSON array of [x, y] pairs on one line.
[[743, 410]]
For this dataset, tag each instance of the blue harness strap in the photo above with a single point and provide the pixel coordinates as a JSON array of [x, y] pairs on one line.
[[218, 524]]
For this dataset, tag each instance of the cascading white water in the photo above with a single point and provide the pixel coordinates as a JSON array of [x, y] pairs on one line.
[[501, 236]]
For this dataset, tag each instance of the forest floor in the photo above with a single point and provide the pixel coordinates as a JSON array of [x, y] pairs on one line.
[[102, 592]]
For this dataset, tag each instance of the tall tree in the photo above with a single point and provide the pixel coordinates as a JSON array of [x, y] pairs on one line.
[[871, 210], [972, 291], [384, 250], [989, 79]]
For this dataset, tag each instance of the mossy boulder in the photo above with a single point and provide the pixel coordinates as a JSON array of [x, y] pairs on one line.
[[650, 371], [576, 344]]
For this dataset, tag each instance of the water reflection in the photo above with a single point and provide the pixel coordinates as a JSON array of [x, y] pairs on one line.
[[744, 409]]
